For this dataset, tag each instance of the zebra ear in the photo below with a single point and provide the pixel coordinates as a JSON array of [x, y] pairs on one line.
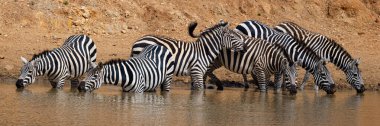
[[221, 21], [36, 61], [357, 61], [93, 65], [321, 63], [100, 66], [24, 60]]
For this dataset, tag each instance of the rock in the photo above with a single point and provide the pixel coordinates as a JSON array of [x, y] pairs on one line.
[[8, 67], [2, 57], [129, 27], [79, 22], [112, 13], [123, 31], [85, 12], [55, 37]]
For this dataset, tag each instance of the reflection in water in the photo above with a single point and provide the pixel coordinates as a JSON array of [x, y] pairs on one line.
[[41, 105]]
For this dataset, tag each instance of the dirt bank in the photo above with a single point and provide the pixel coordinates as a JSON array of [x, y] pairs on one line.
[[30, 26]]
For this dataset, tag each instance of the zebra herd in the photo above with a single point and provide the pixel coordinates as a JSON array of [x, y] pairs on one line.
[[251, 48]]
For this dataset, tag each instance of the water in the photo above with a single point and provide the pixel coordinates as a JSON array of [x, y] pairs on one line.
[[38, 104]]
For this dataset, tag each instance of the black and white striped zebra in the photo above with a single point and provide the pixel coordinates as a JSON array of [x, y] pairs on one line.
[[261, 60], [153, 67], [70, 61], [193, 58], [298, 52], [328, 49]]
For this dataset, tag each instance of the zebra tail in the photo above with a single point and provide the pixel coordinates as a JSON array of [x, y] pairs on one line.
[[191, 29]]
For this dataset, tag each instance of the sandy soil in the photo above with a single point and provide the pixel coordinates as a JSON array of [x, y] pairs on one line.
[[30, 26]]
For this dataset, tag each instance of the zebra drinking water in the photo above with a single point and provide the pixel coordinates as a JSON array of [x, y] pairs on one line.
[[193, 58], [298, 52], [261, 60], [144, 72], [328, 49], [70, 61]]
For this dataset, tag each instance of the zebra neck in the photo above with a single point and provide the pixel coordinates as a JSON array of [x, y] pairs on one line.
[[208, 46], [308, 61], [49, 64], [112, 74], [340, 58]]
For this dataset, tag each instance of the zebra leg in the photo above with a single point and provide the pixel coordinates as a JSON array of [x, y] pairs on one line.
[[53, 84], [166, 85], [307, 75], [74, 83], [277, 81], [60, 83], [246, 86], [197, 81], [215, 79], [261, 78], [255, 80]]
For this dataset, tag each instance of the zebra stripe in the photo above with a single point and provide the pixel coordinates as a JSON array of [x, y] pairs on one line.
[[193, 58], [154, 66], [297, 51], [326, 48], [70, 61], [261, 59]]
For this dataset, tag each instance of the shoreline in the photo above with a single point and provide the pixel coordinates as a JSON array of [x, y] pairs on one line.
[[227, 83]]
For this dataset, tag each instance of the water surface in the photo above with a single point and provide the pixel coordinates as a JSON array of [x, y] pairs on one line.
[[38, 104]]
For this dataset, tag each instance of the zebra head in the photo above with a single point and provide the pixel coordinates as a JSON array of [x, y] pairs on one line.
[[229, 39], [28, 72], [93, 79], [323, 77], [289, 71], [354, 77], [233, 40]]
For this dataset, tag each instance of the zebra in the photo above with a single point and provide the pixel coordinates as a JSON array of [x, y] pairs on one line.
[[298, 52], [70, 61], [152, 67], [193, 58], [261, 59], [326, 48]]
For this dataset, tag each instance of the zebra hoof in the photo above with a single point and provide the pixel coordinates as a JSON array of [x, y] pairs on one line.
[[246, 86], [211, 87], [220, 88]]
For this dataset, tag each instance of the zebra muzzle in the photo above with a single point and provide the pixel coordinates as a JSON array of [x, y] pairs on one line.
[[82, 86], [19, 83], [360, 89]]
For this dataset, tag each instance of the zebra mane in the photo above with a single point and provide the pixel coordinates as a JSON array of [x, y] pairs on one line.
[[166, 37], [40, 54], [193, 25], [114, 61], [278, 47], [334, 43]]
